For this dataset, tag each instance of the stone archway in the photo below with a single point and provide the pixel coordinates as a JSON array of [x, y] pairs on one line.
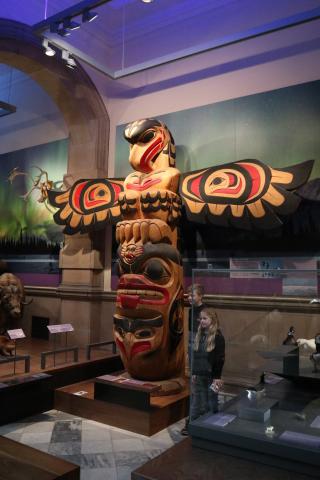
[[83, 258], [73, 92]]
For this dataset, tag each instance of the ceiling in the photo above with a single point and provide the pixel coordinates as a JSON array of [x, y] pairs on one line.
[[130, 35]]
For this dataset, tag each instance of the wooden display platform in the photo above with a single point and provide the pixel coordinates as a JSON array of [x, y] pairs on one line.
[[125, 391], [24, 396], [28, 394], [184, 462], [78, 399], [20, 462]]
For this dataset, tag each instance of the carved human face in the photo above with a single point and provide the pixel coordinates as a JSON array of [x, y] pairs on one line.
[[149, 310]]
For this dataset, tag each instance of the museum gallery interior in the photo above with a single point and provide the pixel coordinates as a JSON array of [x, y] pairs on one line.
[[159, 239]]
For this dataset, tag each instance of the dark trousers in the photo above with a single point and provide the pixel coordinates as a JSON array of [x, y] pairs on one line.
[[190, 349], [203, 398]]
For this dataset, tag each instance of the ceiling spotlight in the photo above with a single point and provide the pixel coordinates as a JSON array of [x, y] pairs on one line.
[[147, 1], [54, 27], [71, 63], [63, 32], [48, 50], [88, 16], [69, 24]]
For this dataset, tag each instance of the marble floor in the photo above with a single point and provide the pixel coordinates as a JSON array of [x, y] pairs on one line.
[[103, 452]]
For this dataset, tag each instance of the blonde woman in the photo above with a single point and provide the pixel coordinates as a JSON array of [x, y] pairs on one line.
[[207, 364]]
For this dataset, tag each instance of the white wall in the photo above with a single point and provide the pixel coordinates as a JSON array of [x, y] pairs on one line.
[[272, 61]]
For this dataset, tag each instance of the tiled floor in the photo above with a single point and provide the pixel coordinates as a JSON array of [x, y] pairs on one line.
[[103, 452]]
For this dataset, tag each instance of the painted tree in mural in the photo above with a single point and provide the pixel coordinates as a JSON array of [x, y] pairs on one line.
[[146, 206]]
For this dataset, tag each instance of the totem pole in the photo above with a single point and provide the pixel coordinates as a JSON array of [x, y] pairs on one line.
[[146, 206], [148, 323]]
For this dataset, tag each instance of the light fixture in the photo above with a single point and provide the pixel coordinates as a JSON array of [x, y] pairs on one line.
[[71, 63], [63, 32], [88, 16], [147, 1], [54, 27], [48, 50], [69, 24]]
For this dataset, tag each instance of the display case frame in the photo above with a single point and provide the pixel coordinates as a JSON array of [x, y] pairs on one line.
[[280, 423]]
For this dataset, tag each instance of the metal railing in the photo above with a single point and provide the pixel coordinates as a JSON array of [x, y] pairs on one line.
[[17, 358], [90, 346], [44, 355]]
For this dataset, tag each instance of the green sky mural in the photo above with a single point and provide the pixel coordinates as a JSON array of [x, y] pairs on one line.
[[280, 128]]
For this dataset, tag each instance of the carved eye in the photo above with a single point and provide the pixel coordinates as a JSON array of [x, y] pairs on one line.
[[120, 331], [217, 181], [156, 271], [101, 193], [147, 333], [147, 136]]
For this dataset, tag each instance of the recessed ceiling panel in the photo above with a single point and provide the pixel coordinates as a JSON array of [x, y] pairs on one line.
[[32, 11], [131, 35]]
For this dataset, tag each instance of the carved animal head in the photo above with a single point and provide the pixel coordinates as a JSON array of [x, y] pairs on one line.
[[151, 145], [12, 295]]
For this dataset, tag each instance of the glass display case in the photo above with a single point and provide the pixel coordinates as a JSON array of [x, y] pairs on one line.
[[255, 363]]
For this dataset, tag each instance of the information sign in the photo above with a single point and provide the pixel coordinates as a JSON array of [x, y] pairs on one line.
[[60, 328], [17, 333]]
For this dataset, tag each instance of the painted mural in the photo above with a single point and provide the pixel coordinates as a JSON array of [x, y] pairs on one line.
[[280, 128], [30, 240]]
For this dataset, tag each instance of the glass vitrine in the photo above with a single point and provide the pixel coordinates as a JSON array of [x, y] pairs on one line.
[[255, 362]]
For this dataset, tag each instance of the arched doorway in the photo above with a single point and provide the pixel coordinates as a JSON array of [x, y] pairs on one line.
[[83, 258], [72, 90]]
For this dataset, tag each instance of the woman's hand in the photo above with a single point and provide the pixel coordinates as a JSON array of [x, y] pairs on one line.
[[217, 384]]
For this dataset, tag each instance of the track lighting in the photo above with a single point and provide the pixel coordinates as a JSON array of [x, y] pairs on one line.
[[71, 63], [54, 27], [88, 16], [48, 50], [69, 24], [63, 32], [63, 23], [65, 55]]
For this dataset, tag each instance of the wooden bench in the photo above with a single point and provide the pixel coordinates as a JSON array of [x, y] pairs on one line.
[[20, 462]]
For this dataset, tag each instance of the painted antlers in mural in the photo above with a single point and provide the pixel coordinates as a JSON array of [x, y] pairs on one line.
[[39, 183]]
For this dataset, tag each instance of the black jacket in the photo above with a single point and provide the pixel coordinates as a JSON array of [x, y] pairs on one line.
[[209, 364]]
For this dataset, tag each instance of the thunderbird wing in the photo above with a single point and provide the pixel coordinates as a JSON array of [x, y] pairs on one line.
[[87, 205], [245, 194]]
